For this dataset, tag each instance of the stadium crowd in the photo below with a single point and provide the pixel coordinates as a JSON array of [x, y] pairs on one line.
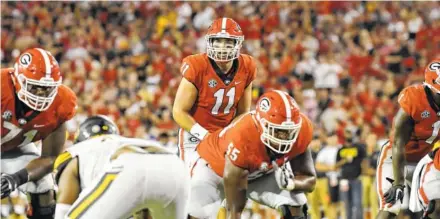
[[344, 62]]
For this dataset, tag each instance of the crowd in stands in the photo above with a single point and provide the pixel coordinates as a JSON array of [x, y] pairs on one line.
[[344, 62]]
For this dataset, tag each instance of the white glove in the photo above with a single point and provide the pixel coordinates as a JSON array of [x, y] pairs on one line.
[[284, 177]]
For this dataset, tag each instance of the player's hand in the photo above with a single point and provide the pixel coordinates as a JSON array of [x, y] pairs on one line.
[[432, 153], [8, 184], [394, 193], [429, 210], [284, 177]]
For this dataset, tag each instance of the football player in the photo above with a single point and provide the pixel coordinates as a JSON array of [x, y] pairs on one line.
[[425, 193], [35, 106], [216, 87], [416, 127], [263, 156], [105, 175]]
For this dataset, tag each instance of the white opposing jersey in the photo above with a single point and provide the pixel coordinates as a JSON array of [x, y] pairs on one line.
[[95, 153]]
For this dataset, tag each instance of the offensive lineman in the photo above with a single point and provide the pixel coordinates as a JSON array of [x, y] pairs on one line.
[[216, 87], [35, 106], [416, 128], [263, 155], [425, 194], [109, 176]]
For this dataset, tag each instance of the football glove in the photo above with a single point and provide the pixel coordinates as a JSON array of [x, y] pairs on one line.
[[8, 184], [394, 193], [284, 177], [432, 153], [429, 210]]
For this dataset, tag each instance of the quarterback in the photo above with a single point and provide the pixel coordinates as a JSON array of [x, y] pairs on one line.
[[263, 156], [105, 175], [35, 106], [216, 87]]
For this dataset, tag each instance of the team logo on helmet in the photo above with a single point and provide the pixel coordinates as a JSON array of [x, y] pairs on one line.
[[434, 66], [212, 83], [264, 105], [25, 59]]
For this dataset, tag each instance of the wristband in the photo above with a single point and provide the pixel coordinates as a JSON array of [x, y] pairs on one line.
[[61, 210], [198, 131], [290, 185], [22, 176]]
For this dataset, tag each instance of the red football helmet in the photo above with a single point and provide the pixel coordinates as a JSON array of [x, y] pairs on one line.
[[432, 75], [279, 117], [224, 28], [36, 78]]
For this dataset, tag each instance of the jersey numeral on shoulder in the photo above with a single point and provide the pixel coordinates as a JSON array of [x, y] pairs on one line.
[[436, 129], [14, 131], [184, 68], [232, 152], [219, 100]]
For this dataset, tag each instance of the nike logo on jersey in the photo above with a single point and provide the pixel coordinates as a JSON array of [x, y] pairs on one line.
[[237, 82], [38, 126]]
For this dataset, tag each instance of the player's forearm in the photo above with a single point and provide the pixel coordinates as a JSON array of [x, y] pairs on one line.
[[398, 163], [183, 119], [304, 183], [235, 203], [235, 196], [40, 167]]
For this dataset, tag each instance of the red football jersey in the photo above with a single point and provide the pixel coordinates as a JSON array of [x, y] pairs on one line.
[[241, 142], [414, 102], [13, 135], [217, 100]]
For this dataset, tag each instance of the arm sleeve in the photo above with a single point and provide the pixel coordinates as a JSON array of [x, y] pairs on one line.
[[68, 107], [237, 153], [307, 134], [252, 70], [189, 71], [406, 102]]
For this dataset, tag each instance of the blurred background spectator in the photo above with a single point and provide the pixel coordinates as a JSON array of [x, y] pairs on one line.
[[344, 62], [350, 160]]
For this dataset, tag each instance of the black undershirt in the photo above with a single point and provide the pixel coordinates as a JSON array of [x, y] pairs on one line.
[[228, 77], [22, 111], [431, 101]]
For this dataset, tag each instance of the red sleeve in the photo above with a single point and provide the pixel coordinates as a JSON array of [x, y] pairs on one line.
[[236, 152], [68, 105], [306, 133], [407, 102], [189, 71], [252, 68]]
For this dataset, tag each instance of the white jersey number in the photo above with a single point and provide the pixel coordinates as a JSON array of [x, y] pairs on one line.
[[219, 100], [232, 152], [14, 131], [436, 129]]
